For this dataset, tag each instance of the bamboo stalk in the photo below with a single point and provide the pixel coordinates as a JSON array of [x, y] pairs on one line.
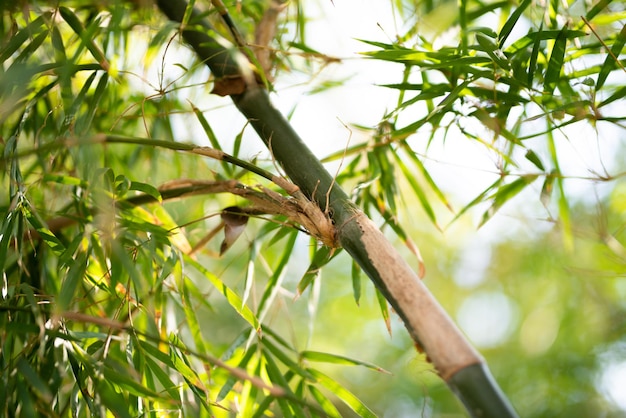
[[457, 362]]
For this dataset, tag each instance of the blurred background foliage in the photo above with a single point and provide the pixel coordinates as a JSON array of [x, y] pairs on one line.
[[509, 117]]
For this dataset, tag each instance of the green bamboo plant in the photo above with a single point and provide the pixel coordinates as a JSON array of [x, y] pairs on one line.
[[104, 298], [432, 330]]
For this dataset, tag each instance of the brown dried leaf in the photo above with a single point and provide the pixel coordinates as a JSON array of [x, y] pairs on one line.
[[228, 86], [234, 224]]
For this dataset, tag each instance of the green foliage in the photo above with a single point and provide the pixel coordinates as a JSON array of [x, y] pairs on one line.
[[496, 90], [103, 309], [109, 308]]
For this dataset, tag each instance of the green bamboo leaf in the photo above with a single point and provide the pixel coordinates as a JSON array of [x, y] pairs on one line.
[[417, 189], [597, 8], [85, 35], [124, 381], [543, 35], [321, 257], [343, 394], [7, 232], [207, 128], [237, 142], [277, 377], [44, 232], [154, 369], [610, 61], [532, 63], [425, 174], [337, 359], [547, 188], [273, 283], [190, 317], [489, 46], [85, 122], [384, 309], [233, 299], [512, 21], [243, 364], [285, 359], [147, 189], [555, 64], [35, 382], [474, 14], [478, 199], [534, 158], [619, 94], [156, 354], [181, 364], [506, 193], [72, 281], [356, 282], [324, 402], [19, 39]]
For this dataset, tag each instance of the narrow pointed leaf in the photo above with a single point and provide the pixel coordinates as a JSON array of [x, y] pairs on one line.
[[534, 158], [233, 299], [505, 194], [356, 282], [343, 394], [322, 256], [609, 62], [324, 402], [337, 359], [384, 310], [555, 64], [511, 21], [76, 25]]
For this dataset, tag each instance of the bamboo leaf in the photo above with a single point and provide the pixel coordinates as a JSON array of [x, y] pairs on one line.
[[495, 53], [72, 281], [181, 364], [356, 282], [342, 393], [125, 382], [318, 356], [506, 193], [534, 158], [597, 8], [532, 63], [324, 402], [233, 299], [85, 35], [384, 309], [555, 64], [147, 189], [511, 21], [34, 380], [610, 61], [163, 378], [274, 282], [619, 94], [19, 39], [44, 232], [284, 358], [321, 257], [547, 188]]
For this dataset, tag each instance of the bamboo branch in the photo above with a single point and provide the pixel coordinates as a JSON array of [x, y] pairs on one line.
[[458, 363]]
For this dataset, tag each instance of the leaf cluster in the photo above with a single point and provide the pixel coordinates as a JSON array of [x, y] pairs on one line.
[[515, 95], [105, 308]]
